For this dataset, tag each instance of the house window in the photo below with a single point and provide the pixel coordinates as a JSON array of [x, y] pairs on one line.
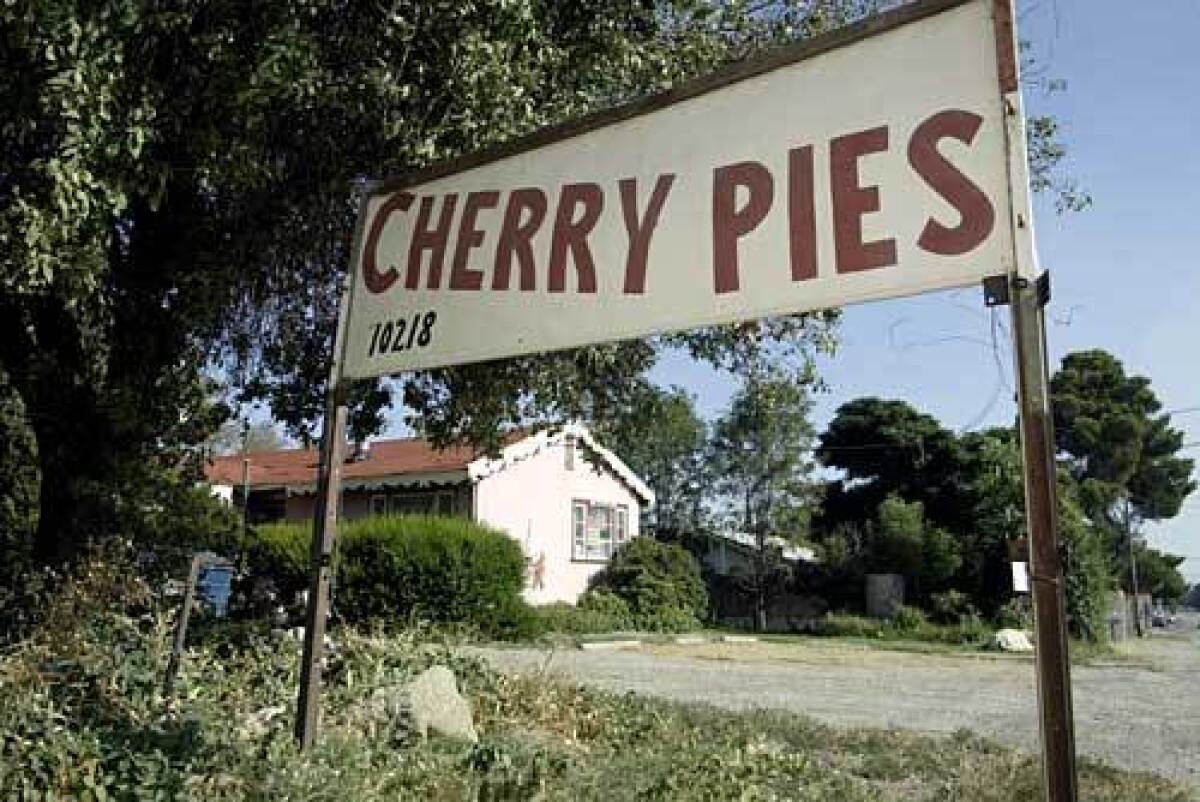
[[411, 504], [379, 505], [594, 528], [445, 503], [569, 453], [622, 524]]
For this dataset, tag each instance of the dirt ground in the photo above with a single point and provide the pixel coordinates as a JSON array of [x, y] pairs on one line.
[[1139, 712]]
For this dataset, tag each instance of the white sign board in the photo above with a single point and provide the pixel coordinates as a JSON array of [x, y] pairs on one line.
[[1020, 577], [871, 168]]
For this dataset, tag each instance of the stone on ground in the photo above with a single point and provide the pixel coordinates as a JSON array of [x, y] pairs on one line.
[[430, 703], [436, 706], [1012, 640]]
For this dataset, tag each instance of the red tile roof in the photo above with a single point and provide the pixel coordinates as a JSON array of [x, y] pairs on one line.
[[299, 466]]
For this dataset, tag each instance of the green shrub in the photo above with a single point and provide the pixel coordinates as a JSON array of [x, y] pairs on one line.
[[442, 570], [668, 619], [597, 612], [850, 626], [974, 631], [658, 581], [281, 552], [1017, 613], [950, 606], [909, 624], [909, 619], [609, 605]]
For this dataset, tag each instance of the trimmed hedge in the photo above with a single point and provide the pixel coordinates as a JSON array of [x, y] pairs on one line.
[[281, 552], [446, 570], [409, 568]]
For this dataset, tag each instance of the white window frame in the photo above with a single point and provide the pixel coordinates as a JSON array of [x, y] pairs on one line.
[[593, 540]]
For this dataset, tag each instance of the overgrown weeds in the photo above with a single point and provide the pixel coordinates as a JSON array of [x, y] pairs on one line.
[[82, 717]]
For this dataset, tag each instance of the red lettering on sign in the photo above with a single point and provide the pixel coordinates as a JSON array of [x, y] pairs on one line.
[[730, 224], [802, 214], [429, 239], [851, 202], [571, 235], [516, 238], [977, 217], [463, 277], [381, 281], [641, 231]]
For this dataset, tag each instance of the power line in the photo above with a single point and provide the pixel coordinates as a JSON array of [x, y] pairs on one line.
[[1181, 411]]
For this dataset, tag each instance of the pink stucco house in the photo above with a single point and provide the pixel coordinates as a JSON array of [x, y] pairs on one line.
[[565, 498]]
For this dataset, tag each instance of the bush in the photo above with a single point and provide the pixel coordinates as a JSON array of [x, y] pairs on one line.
[[949, 607], [281, 552], [909, 624], [909, 619], [1017, 613], [442, 570], [849, 626], [660, 583], [597, 612]]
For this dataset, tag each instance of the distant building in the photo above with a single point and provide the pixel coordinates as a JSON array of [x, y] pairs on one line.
[[733, 553], [566, 499]]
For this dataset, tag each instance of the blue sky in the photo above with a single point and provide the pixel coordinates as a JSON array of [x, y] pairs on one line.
[[1126, 273]]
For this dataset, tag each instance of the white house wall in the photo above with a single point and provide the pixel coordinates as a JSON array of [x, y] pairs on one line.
[[531, 498]]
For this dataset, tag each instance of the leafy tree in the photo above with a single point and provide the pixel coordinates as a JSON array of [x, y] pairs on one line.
[[244, 437], [663, 439], [1123, 451], [175, 204], [885, 447], [1110, 426], [1158, 574], [762, 473], [19, 482], [905, 543]]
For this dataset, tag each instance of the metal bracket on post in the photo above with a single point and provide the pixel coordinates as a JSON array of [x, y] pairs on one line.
[[995, 291]]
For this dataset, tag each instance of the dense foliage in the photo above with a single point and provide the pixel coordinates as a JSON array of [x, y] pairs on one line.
[[662, 439], [1124, 454], [659, 582], [20, 480], [945, 510], [430, 568], [399, 570]]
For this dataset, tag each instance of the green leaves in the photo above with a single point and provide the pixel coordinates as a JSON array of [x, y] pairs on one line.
[[1108, 424]]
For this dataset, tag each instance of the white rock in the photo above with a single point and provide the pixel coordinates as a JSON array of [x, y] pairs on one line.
[[739, 639], [437, 706], [430, 703], [1012, 640], [606, 645]]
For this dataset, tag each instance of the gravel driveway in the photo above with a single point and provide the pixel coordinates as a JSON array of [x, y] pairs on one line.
[[1142, 715]]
